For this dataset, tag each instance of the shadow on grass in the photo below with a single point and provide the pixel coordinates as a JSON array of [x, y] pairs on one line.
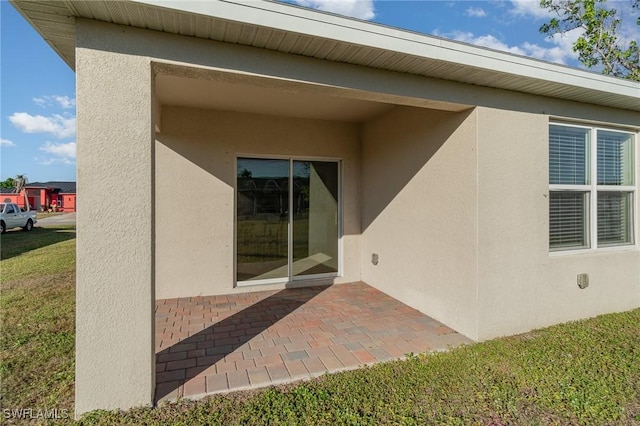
[[16, 242]]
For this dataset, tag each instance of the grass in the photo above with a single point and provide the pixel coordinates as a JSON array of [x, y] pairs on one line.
[[17, 242], [585, 372], [42, 215], [38, 314]]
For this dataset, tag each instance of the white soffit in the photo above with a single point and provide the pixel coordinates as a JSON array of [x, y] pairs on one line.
[[291, 29]]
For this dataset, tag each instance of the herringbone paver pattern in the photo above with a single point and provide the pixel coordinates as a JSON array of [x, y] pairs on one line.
[[215, 344]]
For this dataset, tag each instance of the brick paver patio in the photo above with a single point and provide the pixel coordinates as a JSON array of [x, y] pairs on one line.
[[214, 344]]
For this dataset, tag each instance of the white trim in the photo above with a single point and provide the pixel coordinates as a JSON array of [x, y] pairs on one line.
[[341, 175], [592, 189], [261, 282], [614, 188], [361, 33], [565, 188], [290, 223], [438, 57], [606, 125], [601, 250], [297, 278]]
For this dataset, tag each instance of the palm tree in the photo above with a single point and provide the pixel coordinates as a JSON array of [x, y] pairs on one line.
[[20, 182]]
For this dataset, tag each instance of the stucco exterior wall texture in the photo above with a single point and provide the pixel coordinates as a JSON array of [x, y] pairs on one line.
[[455, 204], [419, 211], [521, 285], [115, 359], [195, 179]]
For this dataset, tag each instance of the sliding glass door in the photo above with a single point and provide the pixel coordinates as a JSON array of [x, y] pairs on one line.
[[315, 218], [287, 219], [262, 226]]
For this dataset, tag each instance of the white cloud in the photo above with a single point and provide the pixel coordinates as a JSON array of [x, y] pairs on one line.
[[41, 102], [476, 12], [486, 40], [64, 102], [529, 9], [64, 153], [53, 160], [558, 50], [561, 49], [60, 149], [362, 9], [57, 125], [6, 142], [629, 30]]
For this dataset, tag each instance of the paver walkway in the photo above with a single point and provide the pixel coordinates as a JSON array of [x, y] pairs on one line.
[[214, 344]]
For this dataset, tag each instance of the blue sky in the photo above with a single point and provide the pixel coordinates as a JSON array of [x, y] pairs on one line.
[[37, 105], [37, 89]]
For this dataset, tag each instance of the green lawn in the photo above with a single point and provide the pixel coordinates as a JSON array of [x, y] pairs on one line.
[[38, 314], [585, 372], [42, 215]]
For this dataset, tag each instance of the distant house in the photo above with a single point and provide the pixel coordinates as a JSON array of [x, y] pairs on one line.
[[58, 195], [7, 192], [270, 146]]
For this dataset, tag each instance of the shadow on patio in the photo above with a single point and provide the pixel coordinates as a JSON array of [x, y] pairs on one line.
[[214, 344]]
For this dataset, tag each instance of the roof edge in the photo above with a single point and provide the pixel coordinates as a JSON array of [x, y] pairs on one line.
[[55, 21]]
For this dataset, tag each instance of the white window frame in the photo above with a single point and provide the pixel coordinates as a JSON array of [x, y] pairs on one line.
[[592, 189]]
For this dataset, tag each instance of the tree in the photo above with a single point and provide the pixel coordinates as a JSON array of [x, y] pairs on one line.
[[600, 44], [20, 182], [8, 183]]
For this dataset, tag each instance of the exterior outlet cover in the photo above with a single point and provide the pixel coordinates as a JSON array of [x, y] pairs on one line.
[[583, 280], [374, 258]]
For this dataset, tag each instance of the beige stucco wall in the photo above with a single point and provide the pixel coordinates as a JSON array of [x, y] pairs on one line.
[[419, 212], [195, 164], [114, 292], [456, 206], [453, 203], [521, 285]]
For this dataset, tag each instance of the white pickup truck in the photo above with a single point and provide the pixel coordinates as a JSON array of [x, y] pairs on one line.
[[12, 217]]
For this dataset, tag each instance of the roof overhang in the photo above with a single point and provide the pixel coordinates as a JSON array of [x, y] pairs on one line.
[[290, 29]]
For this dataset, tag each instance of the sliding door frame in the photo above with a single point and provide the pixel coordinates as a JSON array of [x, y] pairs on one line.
[[290, 277]]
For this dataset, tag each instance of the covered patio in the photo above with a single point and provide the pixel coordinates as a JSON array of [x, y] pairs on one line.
[[207, 345]]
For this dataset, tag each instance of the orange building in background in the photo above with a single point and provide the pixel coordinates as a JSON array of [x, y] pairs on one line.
[[57, 195]]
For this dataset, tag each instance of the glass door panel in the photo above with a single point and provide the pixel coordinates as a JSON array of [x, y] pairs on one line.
[[315, 218], [287, 219], [262, 227]]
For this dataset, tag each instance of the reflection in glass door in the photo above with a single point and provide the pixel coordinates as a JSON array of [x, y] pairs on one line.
[[262, 227], [287, 219], [315, 217]]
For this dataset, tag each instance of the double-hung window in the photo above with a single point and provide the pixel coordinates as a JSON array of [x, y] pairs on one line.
[[592, 187]]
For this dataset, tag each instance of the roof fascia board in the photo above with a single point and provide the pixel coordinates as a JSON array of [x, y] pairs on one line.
[[348, 30]]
